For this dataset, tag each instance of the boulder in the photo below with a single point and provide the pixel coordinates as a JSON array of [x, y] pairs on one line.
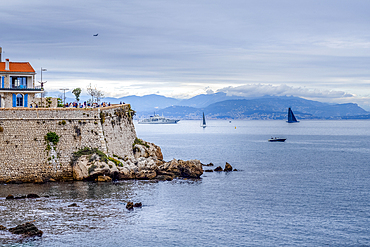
[[73, 205], [218, 169], [2, 228], [33, 196], [9, 197], [208, 170], [28, 229], [228, 167], [130, 205], [138, 205]]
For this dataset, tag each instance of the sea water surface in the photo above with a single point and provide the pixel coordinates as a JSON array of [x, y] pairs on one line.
[[312, 190]]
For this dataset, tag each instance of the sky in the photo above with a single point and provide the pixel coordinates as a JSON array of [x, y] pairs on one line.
[[315, 49]]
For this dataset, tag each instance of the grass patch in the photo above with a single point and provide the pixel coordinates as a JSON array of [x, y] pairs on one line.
[[140, 142]]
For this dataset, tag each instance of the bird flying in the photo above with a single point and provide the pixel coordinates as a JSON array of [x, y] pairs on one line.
[[95, 34]]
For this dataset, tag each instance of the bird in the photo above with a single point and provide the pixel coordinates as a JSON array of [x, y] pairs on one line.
[[95, 34]]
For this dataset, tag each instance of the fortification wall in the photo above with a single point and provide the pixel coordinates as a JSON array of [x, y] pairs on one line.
[[26, 156]]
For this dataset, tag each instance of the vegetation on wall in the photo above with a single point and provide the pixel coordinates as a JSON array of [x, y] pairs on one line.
[[52, 137]]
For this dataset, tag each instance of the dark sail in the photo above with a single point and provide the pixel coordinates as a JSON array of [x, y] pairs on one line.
[[291, 117], [204, 121]]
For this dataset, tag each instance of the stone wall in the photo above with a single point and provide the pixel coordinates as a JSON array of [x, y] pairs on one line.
[[26, 156]]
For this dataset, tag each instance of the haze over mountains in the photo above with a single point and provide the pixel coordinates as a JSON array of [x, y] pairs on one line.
[[221, 106]]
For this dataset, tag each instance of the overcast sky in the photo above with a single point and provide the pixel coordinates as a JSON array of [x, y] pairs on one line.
[[317, 49]]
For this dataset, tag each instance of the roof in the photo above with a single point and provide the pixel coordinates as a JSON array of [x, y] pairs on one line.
[[17, 67]]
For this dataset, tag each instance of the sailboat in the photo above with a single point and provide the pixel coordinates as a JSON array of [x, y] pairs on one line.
[[204, 122], [291, 117]]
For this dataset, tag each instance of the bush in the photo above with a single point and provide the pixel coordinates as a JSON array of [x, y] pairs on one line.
[[140, 142], [64, 122], [52, 137]]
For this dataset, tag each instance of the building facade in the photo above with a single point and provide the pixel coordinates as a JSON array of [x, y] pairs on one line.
[[17, 84]]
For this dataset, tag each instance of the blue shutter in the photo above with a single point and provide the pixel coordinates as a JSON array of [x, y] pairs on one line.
[[14, 100], [2, 82], [26, 100], [10, 82]]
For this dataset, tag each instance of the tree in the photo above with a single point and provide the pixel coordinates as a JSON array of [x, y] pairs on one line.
[[77, 92], [98, 95], [91, 92]]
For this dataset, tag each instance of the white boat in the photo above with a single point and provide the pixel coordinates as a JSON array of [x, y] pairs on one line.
[[204, 122], [156, 119]]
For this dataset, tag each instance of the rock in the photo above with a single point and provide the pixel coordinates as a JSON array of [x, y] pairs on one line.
[[33, 196], [180, 168], [104, 179], [235, 170], [38, 181], [20, 197], [209, 170], [138, 205], [130, 205], [218, 169], [73, 205], [210, 164], [9, 197], [28, 229], [2, 228], [164, 177], [52, 180], [228, 167]]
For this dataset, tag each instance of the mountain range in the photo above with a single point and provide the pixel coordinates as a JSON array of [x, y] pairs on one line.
[[221, 106]]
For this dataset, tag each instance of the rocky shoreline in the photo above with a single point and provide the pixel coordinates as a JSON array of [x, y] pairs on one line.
[[146, 163]]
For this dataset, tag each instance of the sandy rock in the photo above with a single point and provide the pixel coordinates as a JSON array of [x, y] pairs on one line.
[[2, 228], [130, 205], [104, 179], [80, 169]]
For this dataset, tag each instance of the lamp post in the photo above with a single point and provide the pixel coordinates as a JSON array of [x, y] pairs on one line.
[[64, 91], [42, 84]]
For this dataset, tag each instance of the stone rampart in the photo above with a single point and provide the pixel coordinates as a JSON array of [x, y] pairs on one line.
[[26, 156]]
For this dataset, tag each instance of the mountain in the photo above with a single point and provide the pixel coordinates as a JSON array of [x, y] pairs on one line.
[[266, 108], [204, 100]]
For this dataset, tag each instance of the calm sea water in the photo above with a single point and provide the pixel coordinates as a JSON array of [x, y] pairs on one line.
[[312, 190]]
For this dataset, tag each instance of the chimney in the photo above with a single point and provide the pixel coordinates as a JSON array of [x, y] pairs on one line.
[[7, 64], [1, 51]]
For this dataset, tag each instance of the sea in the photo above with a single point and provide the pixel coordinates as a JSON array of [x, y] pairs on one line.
[[311, 190]]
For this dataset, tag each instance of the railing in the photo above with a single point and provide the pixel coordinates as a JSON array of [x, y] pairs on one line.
[[22, 88]]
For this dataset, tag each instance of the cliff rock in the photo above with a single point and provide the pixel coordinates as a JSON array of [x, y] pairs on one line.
[[145, 163]]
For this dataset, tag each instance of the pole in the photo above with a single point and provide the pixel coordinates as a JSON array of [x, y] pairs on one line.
[[42, 84], [64, 91]]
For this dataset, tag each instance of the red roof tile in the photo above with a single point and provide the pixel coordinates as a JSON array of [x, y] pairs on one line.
[[17, 67]]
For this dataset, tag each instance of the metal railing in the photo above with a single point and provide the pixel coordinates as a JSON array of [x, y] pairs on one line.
[[22, 88]]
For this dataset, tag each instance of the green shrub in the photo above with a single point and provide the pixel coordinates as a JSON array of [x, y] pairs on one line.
[[52, 137], [64, 122], [140, 142]]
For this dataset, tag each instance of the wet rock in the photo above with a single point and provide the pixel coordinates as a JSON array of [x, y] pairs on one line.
[[73, 205], [235, 170], [218, 169], [52, 180], [28, 229], [9, 197], [38, 181], [210, 164], [228, 167], [208, 170], [2, 228], [130, 205], [104, 179], [33, 196], [165, 177], [138, 205], [20, 197]]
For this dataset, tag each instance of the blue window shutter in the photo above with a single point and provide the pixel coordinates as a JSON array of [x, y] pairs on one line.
[[14, 100], [26, 100], [2, 82]]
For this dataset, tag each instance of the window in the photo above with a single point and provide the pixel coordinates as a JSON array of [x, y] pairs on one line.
[[19, 100], [19, 82]]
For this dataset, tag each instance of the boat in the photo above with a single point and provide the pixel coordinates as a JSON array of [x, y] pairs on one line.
[[291, 117], [204, 122], [276, 139], [156, 119]]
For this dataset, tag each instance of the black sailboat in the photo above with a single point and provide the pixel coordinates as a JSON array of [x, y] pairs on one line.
[[204, 122], [291, 117]]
